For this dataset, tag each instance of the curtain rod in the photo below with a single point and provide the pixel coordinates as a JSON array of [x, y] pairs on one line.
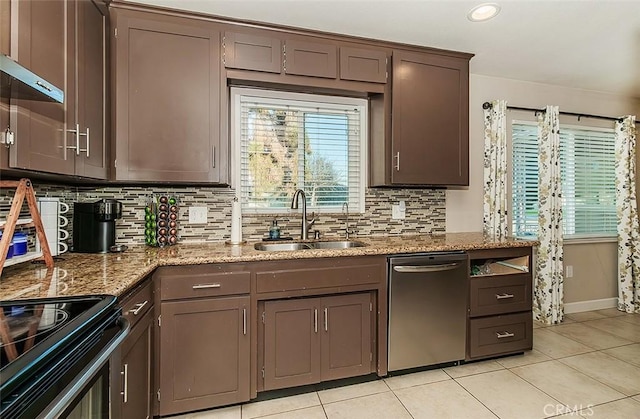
[[488, 105]]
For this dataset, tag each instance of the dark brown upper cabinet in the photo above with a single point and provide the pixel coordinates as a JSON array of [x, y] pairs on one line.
[[245, 51], [429, 141], [40, 31], [326, 62], [167, 99], [308, 58], [360, 64], [64, 42], [87, 125], [430, 120]]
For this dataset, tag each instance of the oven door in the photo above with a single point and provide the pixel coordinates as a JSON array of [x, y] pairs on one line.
[[85, 386]]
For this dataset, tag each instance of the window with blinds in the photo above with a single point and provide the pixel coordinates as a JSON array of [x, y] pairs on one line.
[[287, 141], [587, 159]]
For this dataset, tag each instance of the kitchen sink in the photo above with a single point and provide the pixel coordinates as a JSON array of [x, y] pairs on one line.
[[280, 247], [340, 244]]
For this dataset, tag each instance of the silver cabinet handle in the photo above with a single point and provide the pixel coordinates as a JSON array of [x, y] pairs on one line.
[[244, 321], [426, 268], [77, 146], [315, 320], [398, 161], [139, 307], [326, 319], [205, 286], [504, 335], [86, 134], [504, 296], [125, 385]]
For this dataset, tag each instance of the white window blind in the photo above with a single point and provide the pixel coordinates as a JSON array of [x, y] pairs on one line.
[[292, 141], [587, 158]]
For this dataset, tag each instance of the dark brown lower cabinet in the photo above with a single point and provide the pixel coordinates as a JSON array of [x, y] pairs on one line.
[[136, 388], [309, 340], [204, 353], [500, 301], [499, 335], [132, 376]]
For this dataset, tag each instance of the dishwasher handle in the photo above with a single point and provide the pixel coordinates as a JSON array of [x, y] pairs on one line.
[[427, 268]]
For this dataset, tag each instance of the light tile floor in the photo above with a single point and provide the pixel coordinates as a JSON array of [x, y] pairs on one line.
[[588, 367]]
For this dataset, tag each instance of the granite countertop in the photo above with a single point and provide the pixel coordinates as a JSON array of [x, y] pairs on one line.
[[116, 273]]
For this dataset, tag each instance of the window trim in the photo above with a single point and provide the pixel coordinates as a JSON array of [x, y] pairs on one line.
[[237, 93]]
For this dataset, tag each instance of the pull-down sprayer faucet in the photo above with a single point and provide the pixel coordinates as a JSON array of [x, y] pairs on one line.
[[304, 230]]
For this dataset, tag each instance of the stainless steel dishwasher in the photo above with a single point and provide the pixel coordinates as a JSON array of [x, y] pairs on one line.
[[427, 309]]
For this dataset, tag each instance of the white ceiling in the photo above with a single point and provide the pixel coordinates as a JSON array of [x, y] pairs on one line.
[[587, 44]]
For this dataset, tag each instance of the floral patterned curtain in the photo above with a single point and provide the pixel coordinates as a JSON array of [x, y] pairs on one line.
[[495, 170], [628, 224], [548, 306]]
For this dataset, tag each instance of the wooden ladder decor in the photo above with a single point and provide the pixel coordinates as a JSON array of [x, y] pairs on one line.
[[24, 189]]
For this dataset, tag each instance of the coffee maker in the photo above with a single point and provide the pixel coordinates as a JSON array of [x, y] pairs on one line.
[[94, 225]]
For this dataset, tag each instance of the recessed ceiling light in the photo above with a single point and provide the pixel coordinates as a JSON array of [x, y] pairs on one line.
[[483, 12]]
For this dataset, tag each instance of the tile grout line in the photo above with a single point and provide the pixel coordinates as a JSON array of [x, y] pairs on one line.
[[472, 395]]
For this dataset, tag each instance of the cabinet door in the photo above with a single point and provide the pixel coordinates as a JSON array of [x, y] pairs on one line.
[[90, 109], [136, 381], [363, 65], [167, 99], [291, 343], [430, 120], [252, 52], [204, 354], [40, 28], [346, 339], [305, 58]]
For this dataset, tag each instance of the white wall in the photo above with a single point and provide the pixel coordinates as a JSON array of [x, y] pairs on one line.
[[464, 206]]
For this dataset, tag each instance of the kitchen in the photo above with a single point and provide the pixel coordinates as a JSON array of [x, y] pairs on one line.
[[451, 210]]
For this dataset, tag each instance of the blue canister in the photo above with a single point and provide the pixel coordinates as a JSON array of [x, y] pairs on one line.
[[19, 244], [10, 251]]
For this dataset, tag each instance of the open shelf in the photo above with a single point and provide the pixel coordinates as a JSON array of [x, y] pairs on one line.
[[22, 223], [492, 267], [23, 258]]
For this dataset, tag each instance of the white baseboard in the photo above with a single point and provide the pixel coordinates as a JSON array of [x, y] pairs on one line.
[[590, 305]]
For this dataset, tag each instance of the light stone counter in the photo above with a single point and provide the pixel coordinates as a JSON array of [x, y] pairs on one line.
[[116, 273]]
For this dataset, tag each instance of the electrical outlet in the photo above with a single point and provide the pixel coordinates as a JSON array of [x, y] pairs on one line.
[[569, 271], [197, 215], [397, 212]]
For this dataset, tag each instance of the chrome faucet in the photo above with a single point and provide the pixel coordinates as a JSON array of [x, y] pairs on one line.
[[306, 225], [347, 231]]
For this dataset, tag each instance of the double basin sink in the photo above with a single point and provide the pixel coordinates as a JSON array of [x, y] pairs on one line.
[[336, 244]]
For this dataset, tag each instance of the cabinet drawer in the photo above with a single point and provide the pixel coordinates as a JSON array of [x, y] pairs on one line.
[[195, 282], [500, 335], [318, 277], [135, 305], [499, 294]]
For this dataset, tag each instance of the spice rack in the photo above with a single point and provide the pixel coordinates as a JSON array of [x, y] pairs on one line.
[[24, 190]]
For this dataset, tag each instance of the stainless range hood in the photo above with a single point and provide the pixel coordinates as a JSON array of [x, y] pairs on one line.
[[20, 83]]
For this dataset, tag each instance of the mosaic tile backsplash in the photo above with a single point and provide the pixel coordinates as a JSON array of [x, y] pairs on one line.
[[425, 212]]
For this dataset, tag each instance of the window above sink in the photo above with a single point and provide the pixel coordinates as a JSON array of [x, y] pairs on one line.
[[286, 141]]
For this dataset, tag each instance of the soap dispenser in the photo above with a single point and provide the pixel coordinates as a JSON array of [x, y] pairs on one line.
[[274, 230]]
